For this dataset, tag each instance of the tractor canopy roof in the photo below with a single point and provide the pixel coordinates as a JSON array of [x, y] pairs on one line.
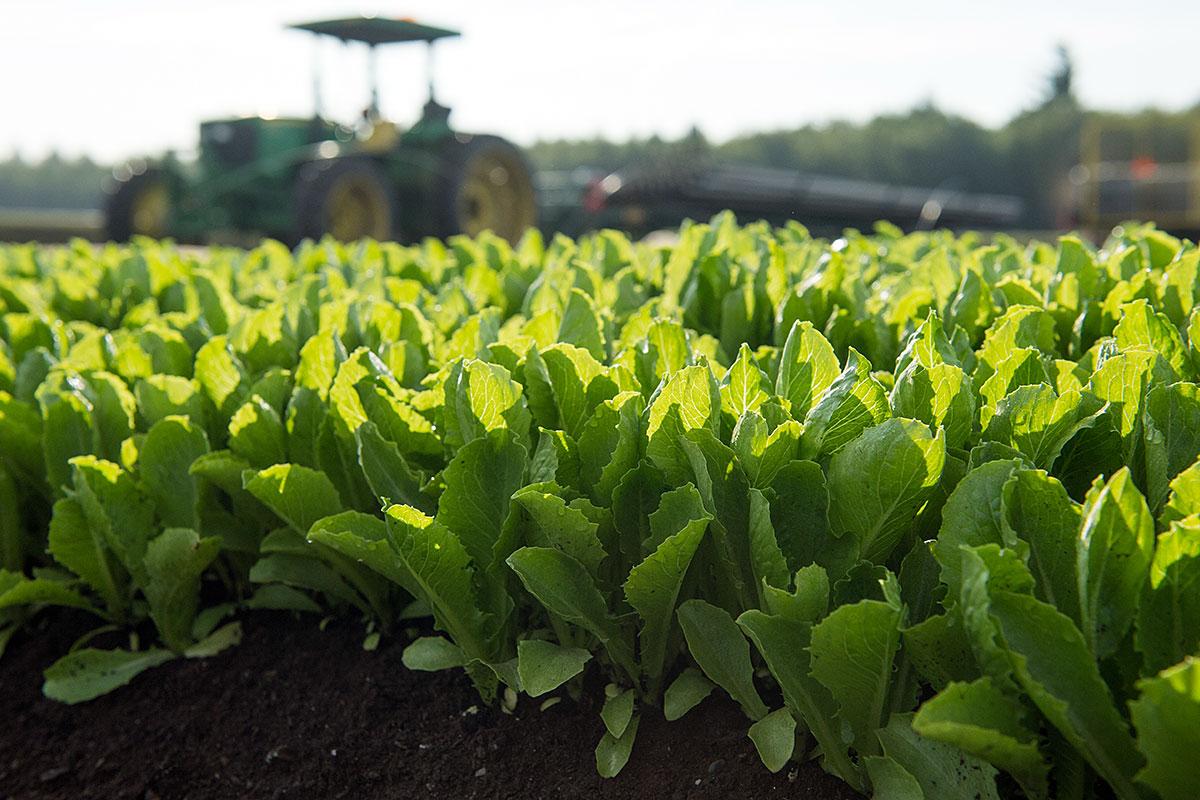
[[376, 30]]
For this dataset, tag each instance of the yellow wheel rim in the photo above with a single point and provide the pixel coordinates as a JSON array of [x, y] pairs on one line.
[[150, 210], [496, 195], [357, 208]]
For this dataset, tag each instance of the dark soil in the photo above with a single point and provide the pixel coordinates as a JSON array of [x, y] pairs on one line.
[[294, 712]]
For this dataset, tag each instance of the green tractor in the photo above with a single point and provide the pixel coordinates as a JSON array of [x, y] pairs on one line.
[[305, 178]]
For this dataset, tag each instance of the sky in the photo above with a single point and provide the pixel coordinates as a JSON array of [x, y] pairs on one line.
[[116, 78]]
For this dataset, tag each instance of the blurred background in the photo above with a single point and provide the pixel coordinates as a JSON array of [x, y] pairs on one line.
[[1019, 115]]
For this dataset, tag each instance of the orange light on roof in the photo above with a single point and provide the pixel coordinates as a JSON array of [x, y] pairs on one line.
[[1143, 168]]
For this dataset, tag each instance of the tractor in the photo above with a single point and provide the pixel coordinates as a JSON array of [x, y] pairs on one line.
[[297, 178]]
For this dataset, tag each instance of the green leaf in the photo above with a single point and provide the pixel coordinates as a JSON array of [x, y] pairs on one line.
[[432, 654], [890, 781], [480, 481], [86, 674], [1052, 663], [807, 366], [480, 398], [721, 650], [550, 522], [941, 770], [544, 666], [940, 396], [774, 738], [781, 449], [1020, 326], [305, 571], [319, 360], [1039, 423], [879, 481], [784, 645], [853, 402], [1167, 718], [617, 712], [116, 508], [278, 597], [388, 474], [769, 567], [1121, 382], [1172, 433], [82, 549], [972, 516], [40, 591], [979, 719], [689, 400], [1116, 545], [113, 411], [221, 376], [745, 386], [653, 586], [613, 753], [298, 495], [363, 538], [1023, 367], [677, 509], [807, 602], [1168, 618], [165, 459], [685, 693], [175, 560], [1142, 328], [853, 650], [940, 651], [1037, 510], [928, 346], [557, 380], [801, 522], [581, 324], [1184, 499], [610, 445], [256, 433], [217, 642], [564, 587], [441, 567], [1181, 540]]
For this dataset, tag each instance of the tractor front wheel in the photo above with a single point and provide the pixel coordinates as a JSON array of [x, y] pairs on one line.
[[484, 183], [346, 198], [138, 205]]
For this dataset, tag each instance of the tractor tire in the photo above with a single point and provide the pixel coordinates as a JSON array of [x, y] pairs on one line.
[[139, 205], [484, 183], [346, 198]]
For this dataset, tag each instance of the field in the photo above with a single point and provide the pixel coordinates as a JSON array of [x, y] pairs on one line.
[[921, 510]]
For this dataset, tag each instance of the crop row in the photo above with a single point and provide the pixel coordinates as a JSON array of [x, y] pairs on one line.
[[926, 507]]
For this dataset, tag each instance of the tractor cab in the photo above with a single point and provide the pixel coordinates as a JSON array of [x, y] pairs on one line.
[[294, 178], [374, 32]]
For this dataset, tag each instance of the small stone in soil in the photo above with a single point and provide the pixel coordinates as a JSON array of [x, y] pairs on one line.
[[479, 773], [283, 753], [53, 774], [715, 766]]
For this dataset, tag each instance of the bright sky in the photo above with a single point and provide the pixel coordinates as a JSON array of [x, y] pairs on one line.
[[114, 78]]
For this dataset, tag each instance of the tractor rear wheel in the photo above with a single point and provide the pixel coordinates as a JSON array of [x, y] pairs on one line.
[[139, 205], [346, 198], [484, 183]]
